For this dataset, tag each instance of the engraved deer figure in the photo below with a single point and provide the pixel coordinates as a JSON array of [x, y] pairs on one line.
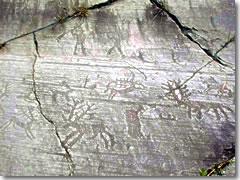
[[80, 123]]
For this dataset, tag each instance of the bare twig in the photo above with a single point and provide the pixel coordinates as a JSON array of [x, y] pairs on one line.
[[221, 166]]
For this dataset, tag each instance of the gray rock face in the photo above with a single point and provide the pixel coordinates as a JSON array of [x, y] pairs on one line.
[[129, 90]]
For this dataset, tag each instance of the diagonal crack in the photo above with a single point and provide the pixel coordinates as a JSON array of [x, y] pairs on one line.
[[199, 69], [100, 5], [59, 21], [36, 43], [67, 153], [225, 45], [2, 45], [186, 31]]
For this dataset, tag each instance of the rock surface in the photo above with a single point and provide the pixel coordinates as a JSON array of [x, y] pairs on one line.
[[122, 92]]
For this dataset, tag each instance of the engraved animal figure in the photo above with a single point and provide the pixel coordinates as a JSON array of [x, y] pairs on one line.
[[107, 137], [221, 89], [122, 86], [180, 94], [81, 124], [24, 125], [133, 123]]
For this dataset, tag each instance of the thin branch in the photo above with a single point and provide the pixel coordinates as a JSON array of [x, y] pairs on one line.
[[221, 166]]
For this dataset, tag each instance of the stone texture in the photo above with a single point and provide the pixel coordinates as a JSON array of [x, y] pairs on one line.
[[103, 97]]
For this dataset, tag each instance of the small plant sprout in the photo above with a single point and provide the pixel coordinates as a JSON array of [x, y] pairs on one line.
[[164, 4], [60, 19], [202, 172]]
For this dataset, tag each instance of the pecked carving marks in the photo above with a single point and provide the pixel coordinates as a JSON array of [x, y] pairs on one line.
[[3, 93], [133, 123], [81, 123], [107, 30], [26, 126], [123, 86], [61, 95], [180, 94]]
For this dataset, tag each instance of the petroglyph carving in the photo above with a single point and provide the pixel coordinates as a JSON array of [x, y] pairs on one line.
[[181, 94], [3, 93], [219, 88], [63, 94], [16, 122], [81, 123], [133, 123], [123, 86], [177, 93]]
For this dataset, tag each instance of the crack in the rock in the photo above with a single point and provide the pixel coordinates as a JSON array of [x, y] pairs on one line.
[[225, 45], [100, 5], [60, 21], [192, 76], [36, 43], [198, 70], [67, 153], [2, 45], [186, 30]]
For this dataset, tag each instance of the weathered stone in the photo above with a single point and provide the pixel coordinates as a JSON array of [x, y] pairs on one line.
[[121, 92]]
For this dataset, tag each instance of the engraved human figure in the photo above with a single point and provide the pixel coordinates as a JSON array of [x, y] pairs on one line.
[[133, 123]]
